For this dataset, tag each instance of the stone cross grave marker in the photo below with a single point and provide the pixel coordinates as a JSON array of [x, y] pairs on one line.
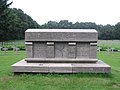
[[17, 49], [99, 48], [108, 51], [112, 49], [5, 49]]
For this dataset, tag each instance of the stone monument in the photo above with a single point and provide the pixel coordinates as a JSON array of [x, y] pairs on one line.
[[61, 51]]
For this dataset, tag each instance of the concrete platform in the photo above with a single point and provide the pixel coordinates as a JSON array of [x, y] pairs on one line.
[[24, 67]]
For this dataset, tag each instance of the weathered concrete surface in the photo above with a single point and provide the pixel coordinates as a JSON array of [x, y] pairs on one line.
[[61, 51], [76, 35], [66, 45], [23, 66]]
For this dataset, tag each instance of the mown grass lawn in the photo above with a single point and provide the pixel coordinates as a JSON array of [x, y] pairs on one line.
[[9, 81]]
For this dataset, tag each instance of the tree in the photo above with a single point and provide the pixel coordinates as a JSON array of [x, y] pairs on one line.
[[14, 24], [4, 6], [3, 17], [64, 24], [18, 23], [52, 25], [117, 30], [107, 32]]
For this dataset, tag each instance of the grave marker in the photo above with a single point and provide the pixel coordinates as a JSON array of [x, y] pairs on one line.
[[61, 51], [112, 49], [5, 49]]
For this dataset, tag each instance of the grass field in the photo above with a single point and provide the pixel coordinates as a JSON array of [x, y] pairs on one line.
[[109, 44], [9, 81]]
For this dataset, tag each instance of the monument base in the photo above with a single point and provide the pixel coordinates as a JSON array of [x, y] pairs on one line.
[[24, 67]]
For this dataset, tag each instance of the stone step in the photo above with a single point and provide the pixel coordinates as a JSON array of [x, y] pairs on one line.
[[60, 60], [98, 67]]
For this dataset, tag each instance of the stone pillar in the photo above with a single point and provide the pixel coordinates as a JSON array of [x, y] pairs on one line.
[[71, 50], [93, 50], [50, 52], [29, 49]]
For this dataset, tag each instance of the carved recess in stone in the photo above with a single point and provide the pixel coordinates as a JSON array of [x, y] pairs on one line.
[[83, 50], [39, 49], [50, 50], [93, 50], [61, 50], [29, 49], [72, 50]]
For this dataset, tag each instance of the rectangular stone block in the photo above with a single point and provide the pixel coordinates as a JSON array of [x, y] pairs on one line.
[[98, 67], [23, 66], [29, 49], [77, 35], [39, 49], [72, 50], [83, 50], [61, 51], [50, 53], [60, 68], [93, 50]]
